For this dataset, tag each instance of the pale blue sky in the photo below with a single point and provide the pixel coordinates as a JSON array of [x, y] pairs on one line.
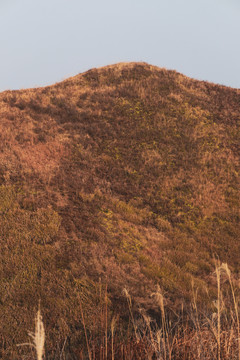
[[45, 41]]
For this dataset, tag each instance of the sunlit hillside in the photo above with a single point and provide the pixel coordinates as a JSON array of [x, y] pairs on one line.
[[125, 176]]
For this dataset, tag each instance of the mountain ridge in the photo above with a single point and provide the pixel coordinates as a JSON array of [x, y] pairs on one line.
[[121, 65]]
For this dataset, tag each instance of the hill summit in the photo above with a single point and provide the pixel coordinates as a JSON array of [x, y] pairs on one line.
[[125, 176]]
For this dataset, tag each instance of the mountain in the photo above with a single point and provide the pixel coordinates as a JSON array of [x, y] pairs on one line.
[[126, 176]]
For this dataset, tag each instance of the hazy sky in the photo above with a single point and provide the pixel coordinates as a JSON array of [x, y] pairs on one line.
[[45, 41]]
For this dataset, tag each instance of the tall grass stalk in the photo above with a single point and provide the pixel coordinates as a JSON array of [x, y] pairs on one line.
[[228, 272], [38, 336], [85, 332], [128, 297], [166, 343], [218, 274], [196, 317], [106, 323], [113, 326]]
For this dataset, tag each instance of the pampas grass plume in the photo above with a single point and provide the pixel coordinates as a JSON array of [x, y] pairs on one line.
[[38, 336]]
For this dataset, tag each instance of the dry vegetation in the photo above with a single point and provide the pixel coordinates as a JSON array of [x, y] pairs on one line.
[[191, 335], [122, 177]]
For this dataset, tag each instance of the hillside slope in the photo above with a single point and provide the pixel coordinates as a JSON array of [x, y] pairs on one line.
[[127, 175]]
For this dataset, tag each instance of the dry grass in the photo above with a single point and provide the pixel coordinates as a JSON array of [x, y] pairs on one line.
[[189, 337], [127, 173]]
